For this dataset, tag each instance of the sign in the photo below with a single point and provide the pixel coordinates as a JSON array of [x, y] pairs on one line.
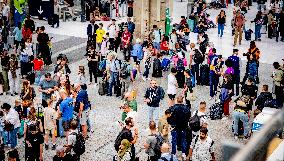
[[168, 22], [41, 8]]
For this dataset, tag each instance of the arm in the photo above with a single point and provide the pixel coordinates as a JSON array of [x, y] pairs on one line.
[[81, 109]]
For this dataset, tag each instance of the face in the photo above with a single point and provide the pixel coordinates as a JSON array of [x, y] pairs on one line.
[[125, 29], [153, 83], [48, 78], [202, 136], [12, 159], [121, 147]]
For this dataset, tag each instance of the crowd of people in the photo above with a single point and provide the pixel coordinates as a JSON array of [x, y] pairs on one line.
[[118, 61]]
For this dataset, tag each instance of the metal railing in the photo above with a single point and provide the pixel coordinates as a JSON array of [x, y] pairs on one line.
[[256, 148]]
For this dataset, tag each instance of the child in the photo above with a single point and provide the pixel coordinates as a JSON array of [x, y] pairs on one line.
[[81, 76], [50, 124]]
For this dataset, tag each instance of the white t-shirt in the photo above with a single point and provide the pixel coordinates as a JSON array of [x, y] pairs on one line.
[[172, 81], [49, 117], [112, 30], [72, 139], [5, 11], [191, 54]]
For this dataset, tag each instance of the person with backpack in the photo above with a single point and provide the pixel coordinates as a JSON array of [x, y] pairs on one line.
[[157, 67], [216, 69], [188, 87], [199, 119], [114, 72], [180, 115], [165, 153], [253, 56], [180, 63], [125, 77], [75, 142], [154, 94], [226, 94], [258, 24], [279, 84], [124, 153], [126, 133], [236, 63], [201, 147], [153, 143], [263, 97]]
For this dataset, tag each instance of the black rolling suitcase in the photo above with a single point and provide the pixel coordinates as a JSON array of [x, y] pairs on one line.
[[204, 75]]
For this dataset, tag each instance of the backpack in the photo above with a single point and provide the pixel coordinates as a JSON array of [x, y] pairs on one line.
[[79, 146], [124, 73], [194, 122], [157, 147], [102, 65], [198, 57], [119, 138], [162, 92], [24, 58], [235, 62], [180, 66]]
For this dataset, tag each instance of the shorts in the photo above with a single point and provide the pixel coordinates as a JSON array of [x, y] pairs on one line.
[[84, 118], [66, 125], [172, 96], [49, 131]]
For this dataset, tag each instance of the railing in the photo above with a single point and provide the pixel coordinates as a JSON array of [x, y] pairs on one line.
[[256, 148]]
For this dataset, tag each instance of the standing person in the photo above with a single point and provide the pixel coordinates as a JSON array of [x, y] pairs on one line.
[[281, 25], [12, 124], [29, 23], [163, 125], [151, 141], [180, 115], [172, 86], [114, 74], [34, 144], [113, 33], [27, 95], [124, 152], [100, 32], [91, 32], [173, 41], [82, 107], [236, 66], [221, 20], [38, 68], [93, 59], [238, 22], [71, 140], [130, 26], [43, 48], [126, 133], [18, 35], [5, 69], [5, 12], [70, 5], [188, 87], [147, 61], [157, 37], [13, 75], [137, 52], [201, 147], [250, 90], [258, 20], [226, 94], [81, 79], [157, 67], [49, 124], [126, 42], [24, 61], [165, 153], [47, 86], [270, 20], [278, 79], [56, 14], [216, 68], [125, 76], [66, 111], [153, 96], [27, 33]]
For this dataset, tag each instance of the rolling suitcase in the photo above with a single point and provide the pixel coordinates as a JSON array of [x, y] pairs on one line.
[[102, 88], [248, 34], [204, 75]]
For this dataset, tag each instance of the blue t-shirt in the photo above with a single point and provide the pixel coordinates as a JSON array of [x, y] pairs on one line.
[[82, 97], [67, 108]]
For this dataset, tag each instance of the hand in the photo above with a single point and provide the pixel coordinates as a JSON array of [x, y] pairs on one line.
[[147, 100], [136, 130]]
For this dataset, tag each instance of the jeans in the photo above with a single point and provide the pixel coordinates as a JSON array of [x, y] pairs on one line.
[[257, 32], [221, 29], [13, 83], [11, 137], [113, 81], [195, 72], [60, 128], [156, 45], [178, 137], [214, 80], [237, 116], [279, 94], [153, 114], [146, 72], [260, 6], [38, 74]]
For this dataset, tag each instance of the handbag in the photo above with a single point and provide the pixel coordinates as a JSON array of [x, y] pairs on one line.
[[190, 96], [26, 103]]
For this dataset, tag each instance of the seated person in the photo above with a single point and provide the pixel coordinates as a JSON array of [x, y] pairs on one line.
[[263, 97]]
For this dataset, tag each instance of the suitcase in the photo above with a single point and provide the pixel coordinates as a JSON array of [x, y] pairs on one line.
[[216, 111], [248, 34], [102, 88], [204, 75]]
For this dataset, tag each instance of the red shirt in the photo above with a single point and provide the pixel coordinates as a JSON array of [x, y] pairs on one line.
[[126, 37], [38, 63], [27, 33], [164, 46]]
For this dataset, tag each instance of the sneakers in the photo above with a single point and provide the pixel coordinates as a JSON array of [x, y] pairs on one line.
[[46, 146], [144, 79]]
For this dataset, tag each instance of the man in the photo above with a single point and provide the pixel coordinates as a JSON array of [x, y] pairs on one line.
[[130, 26], [113, 33], [91, 32], [263, 97], [100, 32], [60, 155], [125, 76], [13, 75], [130, 102], [128, 111], [151, 141], [29, 23], [82, 107], [153, 96], [114, 74], [278, 80], [166, 156], [137, 52], [236, 66], [126, 42], [5, 11], [56, 14], [157, 37], [66, 110], [172, 86], [71, 140], [127, 134], [43, 48], [163, 125], [47, 86], [5, 59], [216, 69], [180, 115], [201, 147], [239, 22], [201, 113]]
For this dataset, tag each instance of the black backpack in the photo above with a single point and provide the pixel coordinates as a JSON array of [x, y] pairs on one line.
[[124, 73], [157, 147], [79, 146], [198, 57], [194, 122], [119, 138], [180, 66]]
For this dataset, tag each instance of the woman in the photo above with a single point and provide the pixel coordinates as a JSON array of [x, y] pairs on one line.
[[97, 14], [165, 45], [32, 120], [65, 85], [93, 60], [147, 61], [258, 24], [188, 86], [18, 35], [27, 95], [61, 68], [226, 94], [124, 153], [173, 41], [221, 20]]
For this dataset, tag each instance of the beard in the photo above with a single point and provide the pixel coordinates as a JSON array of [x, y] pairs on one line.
[[202, 137]]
